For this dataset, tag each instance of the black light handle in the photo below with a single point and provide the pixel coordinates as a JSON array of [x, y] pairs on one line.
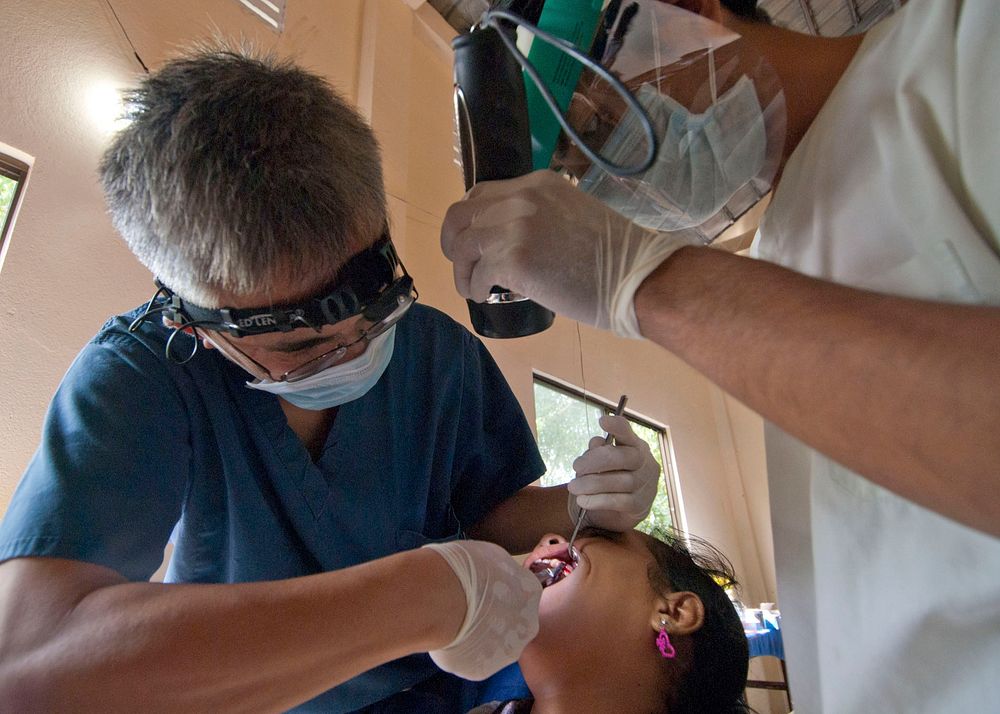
[[491, 114]]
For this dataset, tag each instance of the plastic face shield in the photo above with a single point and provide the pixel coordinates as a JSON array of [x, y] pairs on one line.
[[717, 109]]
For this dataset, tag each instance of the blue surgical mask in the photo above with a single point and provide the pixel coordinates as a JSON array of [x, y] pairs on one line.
[[339, 384], [704, 159]]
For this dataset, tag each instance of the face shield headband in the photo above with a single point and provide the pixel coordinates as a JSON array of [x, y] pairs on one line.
[[373, 284]]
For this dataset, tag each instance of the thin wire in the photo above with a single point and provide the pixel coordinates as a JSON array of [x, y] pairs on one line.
[[586, 416], [168, 349], [127, 38], [583, 378], [608, 439], [149, 310]]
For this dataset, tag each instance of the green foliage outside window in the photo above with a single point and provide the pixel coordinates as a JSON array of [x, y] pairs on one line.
[[8, 187], [659, 514], [565, 424]]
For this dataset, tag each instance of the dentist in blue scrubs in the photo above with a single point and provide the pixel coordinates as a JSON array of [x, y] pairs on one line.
[[288, 416]]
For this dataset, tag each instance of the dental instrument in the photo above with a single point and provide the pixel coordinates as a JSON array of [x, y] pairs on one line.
[[619, 410]]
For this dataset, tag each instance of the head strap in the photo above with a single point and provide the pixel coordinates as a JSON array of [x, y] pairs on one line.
[[359, 288]]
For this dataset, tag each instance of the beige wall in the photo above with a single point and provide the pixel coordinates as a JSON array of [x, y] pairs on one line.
[[66, 271], [56, 284]]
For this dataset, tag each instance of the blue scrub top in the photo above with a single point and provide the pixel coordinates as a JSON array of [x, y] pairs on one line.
[[136, 448]]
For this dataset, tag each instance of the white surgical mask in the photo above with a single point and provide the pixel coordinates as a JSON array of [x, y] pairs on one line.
[[339, 384], [704, 159]]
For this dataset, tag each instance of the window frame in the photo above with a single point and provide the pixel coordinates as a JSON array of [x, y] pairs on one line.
[[271, 12], [671, 483], [16, 170]]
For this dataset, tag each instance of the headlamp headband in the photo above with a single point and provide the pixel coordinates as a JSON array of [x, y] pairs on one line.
[[363, 284]]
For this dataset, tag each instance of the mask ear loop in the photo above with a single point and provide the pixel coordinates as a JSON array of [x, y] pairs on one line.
[[492, 19]]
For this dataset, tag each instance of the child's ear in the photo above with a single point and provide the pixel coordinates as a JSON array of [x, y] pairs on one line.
[[681, 613]]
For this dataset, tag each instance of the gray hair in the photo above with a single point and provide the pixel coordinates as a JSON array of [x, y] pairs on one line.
[[240, 172]]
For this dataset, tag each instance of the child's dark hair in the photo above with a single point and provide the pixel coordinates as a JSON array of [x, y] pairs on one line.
[[716, 679], [747, 9]]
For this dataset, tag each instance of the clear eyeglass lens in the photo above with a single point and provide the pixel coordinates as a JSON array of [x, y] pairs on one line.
[[235, 354], [331, 359], [316, 364], [335, 357]]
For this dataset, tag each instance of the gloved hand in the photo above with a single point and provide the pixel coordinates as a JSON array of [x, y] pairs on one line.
[[540, 236], [502, 609], [616, 484]]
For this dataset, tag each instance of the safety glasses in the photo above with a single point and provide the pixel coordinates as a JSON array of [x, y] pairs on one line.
[[373, 286], [313, 365]]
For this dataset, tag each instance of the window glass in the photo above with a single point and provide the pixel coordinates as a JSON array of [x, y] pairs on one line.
[[565, 422]]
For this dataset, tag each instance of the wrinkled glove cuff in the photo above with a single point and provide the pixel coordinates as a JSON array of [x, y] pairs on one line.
[[464, 569], [657, 248]]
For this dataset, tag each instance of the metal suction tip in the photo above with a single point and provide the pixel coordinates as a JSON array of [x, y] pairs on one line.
[[547, 576]]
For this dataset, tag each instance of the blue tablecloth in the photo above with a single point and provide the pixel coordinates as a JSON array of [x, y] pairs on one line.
[[767, 640]]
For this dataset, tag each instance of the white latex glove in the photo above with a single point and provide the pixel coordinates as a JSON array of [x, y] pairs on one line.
[[540, 236], [502, 609], [616, 484]]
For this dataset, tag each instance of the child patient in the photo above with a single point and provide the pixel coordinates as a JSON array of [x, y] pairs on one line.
[[637, 626]]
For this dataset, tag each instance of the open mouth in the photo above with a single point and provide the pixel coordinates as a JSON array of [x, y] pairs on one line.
[[555, 568]]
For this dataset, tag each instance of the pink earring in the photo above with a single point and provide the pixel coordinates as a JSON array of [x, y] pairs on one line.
[[663, 642]]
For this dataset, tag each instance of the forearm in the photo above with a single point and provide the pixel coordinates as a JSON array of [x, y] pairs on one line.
[[518, 523], [902, 391], [248, 647]]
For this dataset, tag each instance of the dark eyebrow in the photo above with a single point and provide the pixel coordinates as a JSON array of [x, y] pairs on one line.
[[306, 344]]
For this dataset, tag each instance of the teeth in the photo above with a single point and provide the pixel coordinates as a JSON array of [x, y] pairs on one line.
[[551, 570]]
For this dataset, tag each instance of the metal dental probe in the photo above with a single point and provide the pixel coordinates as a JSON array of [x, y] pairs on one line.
[[619, 410]]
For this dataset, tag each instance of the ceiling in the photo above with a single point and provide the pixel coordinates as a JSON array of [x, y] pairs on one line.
[[829, 18], [818, 17]]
